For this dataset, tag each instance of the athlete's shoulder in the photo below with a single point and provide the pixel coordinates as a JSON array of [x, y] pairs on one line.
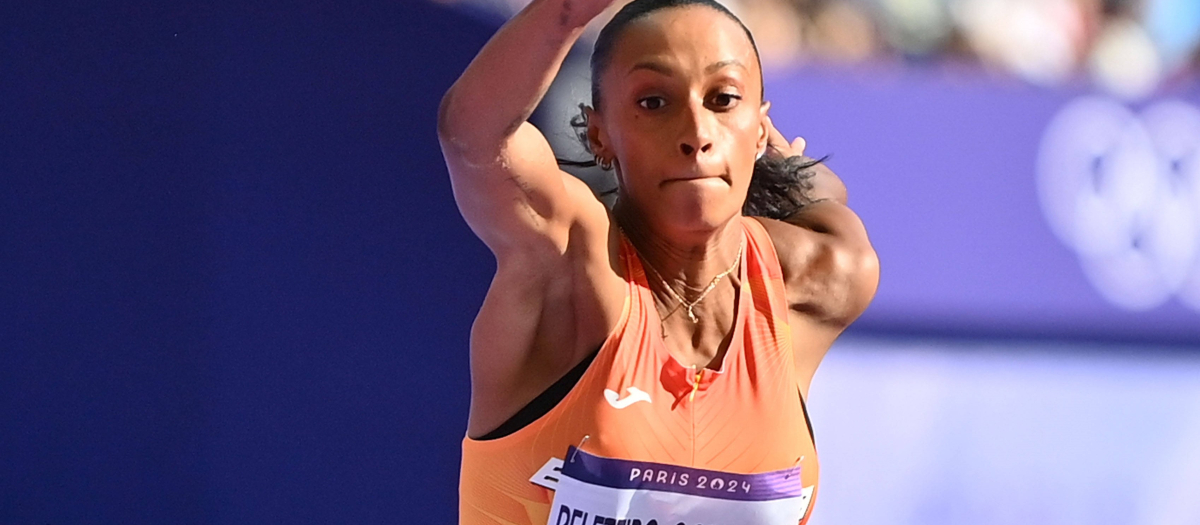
[[827, 276]]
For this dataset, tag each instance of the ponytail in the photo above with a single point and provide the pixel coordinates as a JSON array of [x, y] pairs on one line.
[[780, 186]]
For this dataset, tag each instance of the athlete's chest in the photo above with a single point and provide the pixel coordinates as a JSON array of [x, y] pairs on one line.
[[746, 417]]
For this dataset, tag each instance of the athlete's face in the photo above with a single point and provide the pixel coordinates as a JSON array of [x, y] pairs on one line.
[[682, 114]]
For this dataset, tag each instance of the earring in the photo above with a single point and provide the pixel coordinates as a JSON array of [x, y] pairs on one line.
[[605, 164]]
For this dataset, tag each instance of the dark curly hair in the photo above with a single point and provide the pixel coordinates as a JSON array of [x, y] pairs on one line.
[[779, 186]]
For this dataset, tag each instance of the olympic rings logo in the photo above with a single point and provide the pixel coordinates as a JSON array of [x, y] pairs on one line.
[[1123, 191]]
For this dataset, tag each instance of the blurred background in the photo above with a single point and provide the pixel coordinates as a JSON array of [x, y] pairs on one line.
[[234, 286]]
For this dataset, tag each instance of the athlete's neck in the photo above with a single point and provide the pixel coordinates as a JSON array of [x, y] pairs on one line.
[[684, 259]]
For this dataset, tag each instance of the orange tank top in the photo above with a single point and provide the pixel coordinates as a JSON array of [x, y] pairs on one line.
[[636, 402]]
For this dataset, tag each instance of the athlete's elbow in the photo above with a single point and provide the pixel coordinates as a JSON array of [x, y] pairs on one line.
[[854, 278], [468, 137], [864, 281], [447, 119], [459, 131]]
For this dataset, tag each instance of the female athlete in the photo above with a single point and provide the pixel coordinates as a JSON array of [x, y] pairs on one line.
[[648, 363]]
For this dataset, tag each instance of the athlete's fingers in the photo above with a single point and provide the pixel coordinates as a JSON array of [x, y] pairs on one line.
[[798, 146]]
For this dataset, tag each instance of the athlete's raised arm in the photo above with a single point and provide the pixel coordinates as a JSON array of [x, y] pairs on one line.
[[828, 263], [548, 304], [834, 268], [506, 182]]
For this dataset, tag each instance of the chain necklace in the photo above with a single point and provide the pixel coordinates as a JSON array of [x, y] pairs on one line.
[[712, 285]]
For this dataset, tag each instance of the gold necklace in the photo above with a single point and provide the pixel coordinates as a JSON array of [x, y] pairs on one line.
[[689, 305]]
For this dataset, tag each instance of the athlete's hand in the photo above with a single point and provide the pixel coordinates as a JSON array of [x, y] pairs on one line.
[[777, 144]]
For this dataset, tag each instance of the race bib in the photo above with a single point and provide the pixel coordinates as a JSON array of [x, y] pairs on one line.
[[594, 490]]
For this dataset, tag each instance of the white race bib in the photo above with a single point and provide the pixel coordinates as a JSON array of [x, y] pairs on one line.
[[594, 490]]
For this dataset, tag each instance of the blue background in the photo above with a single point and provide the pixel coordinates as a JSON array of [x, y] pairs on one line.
[[234, 287]]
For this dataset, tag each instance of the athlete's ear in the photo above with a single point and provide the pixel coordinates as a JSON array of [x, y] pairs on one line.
[[596, 134], [764, 128]]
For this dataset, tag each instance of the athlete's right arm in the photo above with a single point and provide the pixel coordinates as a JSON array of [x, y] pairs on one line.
[[547, 230], [506, 182]]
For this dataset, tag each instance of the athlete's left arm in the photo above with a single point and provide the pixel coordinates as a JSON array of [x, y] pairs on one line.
[[829, 267]]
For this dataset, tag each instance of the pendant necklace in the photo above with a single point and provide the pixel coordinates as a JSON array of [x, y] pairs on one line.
[[712, 285]]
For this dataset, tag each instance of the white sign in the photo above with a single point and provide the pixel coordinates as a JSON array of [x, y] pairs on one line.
[[594, 490]]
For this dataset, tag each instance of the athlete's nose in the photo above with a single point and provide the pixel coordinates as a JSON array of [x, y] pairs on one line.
[[697, 136], [688, 149]]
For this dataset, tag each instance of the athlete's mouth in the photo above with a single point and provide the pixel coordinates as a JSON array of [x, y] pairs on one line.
[[693, 178]]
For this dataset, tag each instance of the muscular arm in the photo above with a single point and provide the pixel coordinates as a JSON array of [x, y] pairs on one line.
[[831, 269], [547, 302], [830, 266], [505, 180], [828, 263]]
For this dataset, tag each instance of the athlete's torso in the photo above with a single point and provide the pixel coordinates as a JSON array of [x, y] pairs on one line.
[[636, 402]]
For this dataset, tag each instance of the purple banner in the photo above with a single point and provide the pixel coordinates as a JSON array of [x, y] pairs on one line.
[[625, 474], [1003, 209]]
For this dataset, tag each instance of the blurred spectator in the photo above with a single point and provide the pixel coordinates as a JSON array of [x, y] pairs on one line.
[[1041, 41], [915, 27], [1127, 47], [1124, 59]]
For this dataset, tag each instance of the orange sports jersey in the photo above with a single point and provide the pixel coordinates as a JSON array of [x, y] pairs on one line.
[[637, 402]]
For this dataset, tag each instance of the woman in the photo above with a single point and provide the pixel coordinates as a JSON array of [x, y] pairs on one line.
[[671, 337]]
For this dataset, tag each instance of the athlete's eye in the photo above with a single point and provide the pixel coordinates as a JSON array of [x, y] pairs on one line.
[[726, 100], [652, 103]]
